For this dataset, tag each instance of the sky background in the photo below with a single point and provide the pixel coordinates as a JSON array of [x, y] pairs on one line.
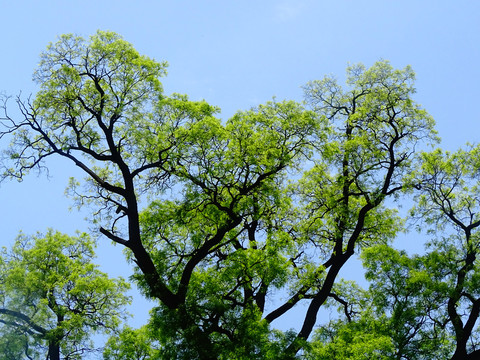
[[238, 54]]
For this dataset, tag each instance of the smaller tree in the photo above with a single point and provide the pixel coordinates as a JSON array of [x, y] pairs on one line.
[[53, 298]]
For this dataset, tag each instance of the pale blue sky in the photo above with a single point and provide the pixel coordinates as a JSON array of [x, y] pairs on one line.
[[237, 54]]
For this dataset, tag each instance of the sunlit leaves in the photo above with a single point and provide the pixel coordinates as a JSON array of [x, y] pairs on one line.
[[131, 344], [53, 293], [364, 339]]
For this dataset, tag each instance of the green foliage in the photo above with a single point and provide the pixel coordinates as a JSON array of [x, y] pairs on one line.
[[404, 290], [364, 339], [131, 344], [428, 305], [53, 295], [221, 216]]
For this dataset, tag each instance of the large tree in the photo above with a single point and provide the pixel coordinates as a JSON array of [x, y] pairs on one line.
[[274, 200], [53, 298]]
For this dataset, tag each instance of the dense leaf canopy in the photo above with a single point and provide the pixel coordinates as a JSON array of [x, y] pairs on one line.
[[234, 223], [53, 298]]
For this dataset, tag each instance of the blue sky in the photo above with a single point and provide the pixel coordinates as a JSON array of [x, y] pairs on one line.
[[238, 54]]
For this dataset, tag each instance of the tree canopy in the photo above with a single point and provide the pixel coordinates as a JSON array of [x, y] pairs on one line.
[[53, 298], [232, 224]]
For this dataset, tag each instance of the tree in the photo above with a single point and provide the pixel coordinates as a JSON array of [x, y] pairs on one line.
[[449, 203], [365, 160], [53, 298], [428, 305], [404, 292], [223, 227]]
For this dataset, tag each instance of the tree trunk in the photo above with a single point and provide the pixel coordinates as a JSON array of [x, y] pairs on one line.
[[53, 351]]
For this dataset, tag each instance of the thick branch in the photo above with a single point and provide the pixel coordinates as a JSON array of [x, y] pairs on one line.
[[202, 252], [24, 318], [114, 238]]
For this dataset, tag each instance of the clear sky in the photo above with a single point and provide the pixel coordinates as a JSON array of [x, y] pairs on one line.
[[238, 54]]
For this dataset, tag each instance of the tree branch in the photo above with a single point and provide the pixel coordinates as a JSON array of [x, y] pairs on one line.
[[18, 315]]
